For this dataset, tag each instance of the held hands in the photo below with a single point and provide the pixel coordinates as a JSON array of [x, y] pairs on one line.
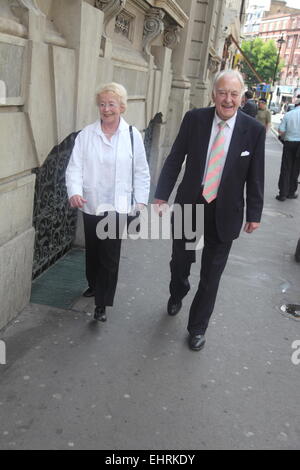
[[160, 206], [251, 226], [77, 202]]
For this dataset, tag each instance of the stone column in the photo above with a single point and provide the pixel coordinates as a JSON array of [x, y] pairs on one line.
[[179, 40]]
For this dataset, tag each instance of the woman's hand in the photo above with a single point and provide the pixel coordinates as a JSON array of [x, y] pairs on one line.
[[140, 206], [77, 201]]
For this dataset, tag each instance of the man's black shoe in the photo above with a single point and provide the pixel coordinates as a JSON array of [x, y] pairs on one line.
[[280, 198], [173, 307], [89, 292], [100, 314], [293, 196], [196, 342]]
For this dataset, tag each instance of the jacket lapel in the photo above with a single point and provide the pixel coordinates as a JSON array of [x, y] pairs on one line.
[[205, 126]]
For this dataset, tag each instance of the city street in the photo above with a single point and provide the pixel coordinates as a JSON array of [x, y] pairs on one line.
[[133, 383]]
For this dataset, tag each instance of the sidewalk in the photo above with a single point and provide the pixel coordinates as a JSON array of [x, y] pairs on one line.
[[132, 383]]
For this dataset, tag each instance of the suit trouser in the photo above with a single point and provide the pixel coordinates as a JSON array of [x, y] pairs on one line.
[[214, 258], [102, 262], [290, 168]]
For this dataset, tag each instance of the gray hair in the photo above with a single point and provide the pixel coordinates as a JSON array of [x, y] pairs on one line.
[[228, 73], [117, 89]]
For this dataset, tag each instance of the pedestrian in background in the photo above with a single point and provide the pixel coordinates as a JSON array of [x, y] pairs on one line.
[[107, 170], [250, 107], [289, 130], [263, 114], [223, 150]]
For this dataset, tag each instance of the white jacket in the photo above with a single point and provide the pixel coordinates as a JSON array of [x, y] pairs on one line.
[[86, 171]]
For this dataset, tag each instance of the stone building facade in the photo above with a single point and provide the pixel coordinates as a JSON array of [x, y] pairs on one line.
[[53, 54]]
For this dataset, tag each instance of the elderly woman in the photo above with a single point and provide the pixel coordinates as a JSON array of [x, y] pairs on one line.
[[107, 171]]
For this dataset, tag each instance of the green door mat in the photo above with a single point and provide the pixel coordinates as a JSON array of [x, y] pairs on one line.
[[63, 283]]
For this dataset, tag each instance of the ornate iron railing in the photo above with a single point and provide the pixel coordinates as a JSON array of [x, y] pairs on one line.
[[53, 219]]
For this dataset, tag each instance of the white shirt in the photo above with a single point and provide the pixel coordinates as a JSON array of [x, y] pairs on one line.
[[228, 130], [290, 125], [100, 170]]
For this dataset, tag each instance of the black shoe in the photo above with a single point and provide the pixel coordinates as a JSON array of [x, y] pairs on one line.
[[89, 292], [173, 307], [100, 314], [293, 196], [280, 198], [196, 342]]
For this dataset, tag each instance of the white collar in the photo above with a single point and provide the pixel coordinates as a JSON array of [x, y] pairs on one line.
[[230, 122], [122, 126]]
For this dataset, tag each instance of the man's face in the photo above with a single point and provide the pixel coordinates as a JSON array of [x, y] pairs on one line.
[[227, 97], [262, 104]]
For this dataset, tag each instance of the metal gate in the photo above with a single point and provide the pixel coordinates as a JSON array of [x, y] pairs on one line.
[[53, 219]]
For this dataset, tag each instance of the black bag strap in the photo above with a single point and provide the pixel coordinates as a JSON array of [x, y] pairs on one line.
[[132, 148]]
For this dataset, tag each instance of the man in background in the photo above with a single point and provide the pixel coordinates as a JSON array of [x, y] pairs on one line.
[[289, 130], [250, 106], [263, 114]]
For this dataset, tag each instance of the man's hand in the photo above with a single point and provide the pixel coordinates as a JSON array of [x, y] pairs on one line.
[[251, 226], [160, 206], [77, 201]]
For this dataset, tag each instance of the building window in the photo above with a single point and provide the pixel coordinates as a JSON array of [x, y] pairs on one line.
[[123, 25], [289, 42]]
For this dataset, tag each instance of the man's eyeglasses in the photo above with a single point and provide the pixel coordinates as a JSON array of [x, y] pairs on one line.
[[231, 94]]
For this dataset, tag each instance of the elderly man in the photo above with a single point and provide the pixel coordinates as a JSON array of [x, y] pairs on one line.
[[224, 151], [289, 130]]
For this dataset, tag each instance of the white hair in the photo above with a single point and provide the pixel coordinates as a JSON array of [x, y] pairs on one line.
[[229, 73], [117, 89]]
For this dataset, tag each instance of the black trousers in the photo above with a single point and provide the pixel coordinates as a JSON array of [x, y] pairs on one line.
[[214, 258], [102, 262], [290, 169]]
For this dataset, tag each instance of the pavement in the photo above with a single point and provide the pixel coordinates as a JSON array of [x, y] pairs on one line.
[[133, 384]]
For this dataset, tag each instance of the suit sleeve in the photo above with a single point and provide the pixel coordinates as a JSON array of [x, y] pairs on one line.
[[255, 180], [174, 161]]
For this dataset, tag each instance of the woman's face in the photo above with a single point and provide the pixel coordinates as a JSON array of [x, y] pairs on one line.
[[110, 108]]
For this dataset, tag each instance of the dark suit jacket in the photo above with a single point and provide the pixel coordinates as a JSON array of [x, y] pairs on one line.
[[250, 108], [192, 142]]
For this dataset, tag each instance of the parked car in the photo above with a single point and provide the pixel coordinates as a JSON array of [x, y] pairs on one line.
[[274, 108]]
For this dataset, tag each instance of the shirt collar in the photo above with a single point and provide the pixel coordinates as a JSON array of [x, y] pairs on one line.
[[97, 127], [230, 122]]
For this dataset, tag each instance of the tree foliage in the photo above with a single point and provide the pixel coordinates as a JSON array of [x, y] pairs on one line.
[[263, 57]]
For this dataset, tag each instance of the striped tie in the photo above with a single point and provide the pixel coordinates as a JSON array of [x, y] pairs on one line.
[[215, 165]]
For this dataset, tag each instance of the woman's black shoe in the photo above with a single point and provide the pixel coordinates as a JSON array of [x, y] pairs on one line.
[[89, 292], [100, 314]]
